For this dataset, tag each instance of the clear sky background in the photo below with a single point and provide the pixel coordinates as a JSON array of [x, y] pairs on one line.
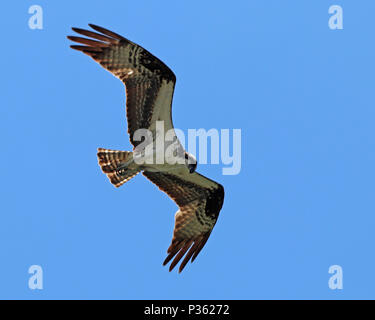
[[303, 96]]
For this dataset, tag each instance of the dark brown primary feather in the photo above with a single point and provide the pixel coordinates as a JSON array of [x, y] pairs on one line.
[[200, 201], [144, 75]]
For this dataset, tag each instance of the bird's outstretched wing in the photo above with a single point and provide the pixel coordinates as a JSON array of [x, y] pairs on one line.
[[200, 200], [149, 82]]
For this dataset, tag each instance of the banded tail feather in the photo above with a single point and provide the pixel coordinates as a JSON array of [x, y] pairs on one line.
[[117, 165]]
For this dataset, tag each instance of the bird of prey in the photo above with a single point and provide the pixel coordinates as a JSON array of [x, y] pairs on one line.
[[149, 87]]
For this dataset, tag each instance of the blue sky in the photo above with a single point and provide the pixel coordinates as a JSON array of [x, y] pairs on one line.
[[303, 96]]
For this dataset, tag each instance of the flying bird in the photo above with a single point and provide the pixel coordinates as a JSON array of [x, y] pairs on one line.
[[149, 87]]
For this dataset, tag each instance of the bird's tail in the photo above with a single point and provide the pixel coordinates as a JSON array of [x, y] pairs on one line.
[[117, 165]]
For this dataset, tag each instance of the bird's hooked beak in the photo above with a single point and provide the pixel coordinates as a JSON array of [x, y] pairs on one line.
[[191, 162], [191, 168]]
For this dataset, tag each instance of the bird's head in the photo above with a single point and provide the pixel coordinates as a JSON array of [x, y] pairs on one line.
[[191, 162]]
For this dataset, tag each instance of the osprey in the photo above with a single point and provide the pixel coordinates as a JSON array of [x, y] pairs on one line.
[[149, 87]]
